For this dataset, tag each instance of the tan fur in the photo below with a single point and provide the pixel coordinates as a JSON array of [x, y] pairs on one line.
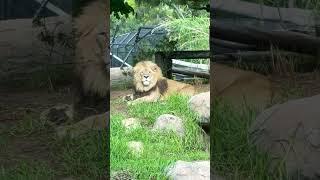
[[153, 90], [238, 86], [91, 46]]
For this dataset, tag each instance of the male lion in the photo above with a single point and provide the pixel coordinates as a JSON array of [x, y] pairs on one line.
[[92, 84], [150, 85]]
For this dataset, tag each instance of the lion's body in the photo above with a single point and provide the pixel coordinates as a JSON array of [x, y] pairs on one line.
[[150, 85], [236, 85]]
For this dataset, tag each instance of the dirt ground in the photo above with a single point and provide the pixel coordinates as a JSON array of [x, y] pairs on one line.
[[15, 107]]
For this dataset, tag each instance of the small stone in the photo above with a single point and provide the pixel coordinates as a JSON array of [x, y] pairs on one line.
[[167, 122], [131, 123], [136, 147]]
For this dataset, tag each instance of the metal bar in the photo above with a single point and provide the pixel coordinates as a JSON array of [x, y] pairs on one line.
[[119, 59], [53, 8]]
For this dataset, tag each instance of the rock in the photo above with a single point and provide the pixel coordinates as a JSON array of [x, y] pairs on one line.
[[200, 103], [167, 122], [182, 170], [291, 131], [96, 122], [131, 123], [136, 147], [60, 114], [121, 175]]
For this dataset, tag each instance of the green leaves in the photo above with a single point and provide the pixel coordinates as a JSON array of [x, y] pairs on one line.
[[120, 7]]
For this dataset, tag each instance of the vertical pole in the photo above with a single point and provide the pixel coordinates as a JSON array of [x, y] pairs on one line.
[[164, 63], [317, 30]]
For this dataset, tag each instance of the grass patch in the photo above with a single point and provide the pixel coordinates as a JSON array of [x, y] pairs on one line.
[[29, 124], [84, 157], [27, 171], [232, 153], [160, 150]]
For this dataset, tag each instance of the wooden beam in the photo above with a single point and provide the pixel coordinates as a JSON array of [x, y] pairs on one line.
[[55, 9], [164, 63]]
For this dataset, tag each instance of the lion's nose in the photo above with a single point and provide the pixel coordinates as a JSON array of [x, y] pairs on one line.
[[145, 76]]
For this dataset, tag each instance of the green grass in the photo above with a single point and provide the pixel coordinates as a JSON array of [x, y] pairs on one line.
[[27, 171], [83, 157], [160, 150], [232, 153]]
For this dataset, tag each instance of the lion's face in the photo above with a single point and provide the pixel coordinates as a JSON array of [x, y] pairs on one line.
[[145, 75]]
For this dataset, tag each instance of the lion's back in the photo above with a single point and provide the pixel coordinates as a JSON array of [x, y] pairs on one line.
[[179, 87]]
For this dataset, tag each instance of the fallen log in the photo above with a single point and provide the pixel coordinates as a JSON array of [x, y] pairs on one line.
[[297, 16], [257, 56], [284, 40], [185, 71]]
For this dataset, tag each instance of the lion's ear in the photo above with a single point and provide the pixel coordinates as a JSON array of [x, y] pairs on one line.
[[154, 68]]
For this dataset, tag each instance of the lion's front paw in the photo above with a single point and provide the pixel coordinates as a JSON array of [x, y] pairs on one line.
[[128, 97]]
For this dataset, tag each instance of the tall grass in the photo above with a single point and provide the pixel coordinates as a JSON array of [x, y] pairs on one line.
[[232, 152]]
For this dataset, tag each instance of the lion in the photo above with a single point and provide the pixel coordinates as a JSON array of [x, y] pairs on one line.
[[150, 85], [92, 72], [238, 86]]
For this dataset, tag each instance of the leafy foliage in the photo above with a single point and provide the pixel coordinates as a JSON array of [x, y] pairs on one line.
[[120, 7], [117, 7]]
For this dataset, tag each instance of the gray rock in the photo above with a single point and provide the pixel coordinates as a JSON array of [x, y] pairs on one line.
[[167, 122], [182, 170], [200, 103], [291, 131]]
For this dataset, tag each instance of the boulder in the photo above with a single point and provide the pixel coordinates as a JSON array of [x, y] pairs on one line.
[[182, 170], [200, 103], [291, 131]]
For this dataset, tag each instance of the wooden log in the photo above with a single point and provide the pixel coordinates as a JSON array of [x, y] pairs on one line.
[[297, 16], [256, 56], [231, 45], [290, 41], [191, 73], [188, 55]]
